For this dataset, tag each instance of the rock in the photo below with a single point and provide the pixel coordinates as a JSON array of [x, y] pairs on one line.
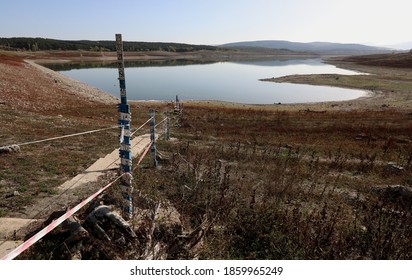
[[396, 192], [121, 240], [10, 149], [15, 193], [15, 148], [168, 223], [394, 168], [401, 140], [71, 224], [162, 157], [351, 196], [106, 212], [364, 136]]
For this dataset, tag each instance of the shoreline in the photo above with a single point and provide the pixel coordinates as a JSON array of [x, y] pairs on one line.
[[78, 87], [368, 94], [374, 97]]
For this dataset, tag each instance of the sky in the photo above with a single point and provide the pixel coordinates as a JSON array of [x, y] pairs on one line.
[[211, 22]]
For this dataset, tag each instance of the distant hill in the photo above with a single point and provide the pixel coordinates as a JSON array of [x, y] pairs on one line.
[[45, 44], [402, 46], [397, 60], [314, 47]]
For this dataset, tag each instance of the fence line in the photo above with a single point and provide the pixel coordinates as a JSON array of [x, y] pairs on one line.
[[24, 246], [143, 155], [61, 137], [140, 127], [72, 135], [161, 122], [85, 174], [70, 187]]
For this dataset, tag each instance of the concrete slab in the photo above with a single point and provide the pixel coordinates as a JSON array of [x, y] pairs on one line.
[[109, 162], [8, 246], [9, 225]]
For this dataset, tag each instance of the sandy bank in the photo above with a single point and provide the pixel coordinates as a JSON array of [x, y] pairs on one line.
[[76, 87]]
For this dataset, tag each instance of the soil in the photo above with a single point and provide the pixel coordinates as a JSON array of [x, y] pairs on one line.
[[42, 87], [31, 91]]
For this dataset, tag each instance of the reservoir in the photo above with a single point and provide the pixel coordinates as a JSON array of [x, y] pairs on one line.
[[225, 81]]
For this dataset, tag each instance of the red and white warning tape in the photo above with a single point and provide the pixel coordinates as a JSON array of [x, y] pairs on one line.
[[144, 154], [140, 127], [24, 246]]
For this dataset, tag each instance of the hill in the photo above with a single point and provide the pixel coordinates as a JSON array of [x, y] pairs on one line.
[[397, 60], [314, 47], [45, 44]]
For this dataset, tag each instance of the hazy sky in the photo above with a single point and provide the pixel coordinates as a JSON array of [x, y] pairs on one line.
[[377, 22]]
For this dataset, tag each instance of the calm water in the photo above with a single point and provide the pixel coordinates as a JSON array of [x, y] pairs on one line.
[[227, 81]]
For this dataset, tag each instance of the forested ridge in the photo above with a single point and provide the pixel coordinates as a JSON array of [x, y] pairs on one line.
[[44, 44]]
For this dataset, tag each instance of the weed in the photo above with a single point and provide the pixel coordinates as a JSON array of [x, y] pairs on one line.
[[3, 212], [279, 195]]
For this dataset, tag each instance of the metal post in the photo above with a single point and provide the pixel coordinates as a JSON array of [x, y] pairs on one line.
[[167, 128], [152, 135], [125, 150], [177, 104]]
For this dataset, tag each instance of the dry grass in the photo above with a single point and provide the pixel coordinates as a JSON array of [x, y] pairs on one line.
[[290, 185], [273, 182], [40, 168]]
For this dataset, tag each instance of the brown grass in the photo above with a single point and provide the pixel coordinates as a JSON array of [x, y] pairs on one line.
[[274, 182], [398, 60], [290, 185]]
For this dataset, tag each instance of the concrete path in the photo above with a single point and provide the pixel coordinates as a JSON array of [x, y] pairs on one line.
[[109, 162], [9, 226], [8, 229]]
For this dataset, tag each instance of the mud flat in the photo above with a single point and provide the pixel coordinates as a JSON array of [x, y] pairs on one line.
[[386, 86]]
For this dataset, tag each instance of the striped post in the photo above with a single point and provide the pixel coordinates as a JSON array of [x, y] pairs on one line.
[[152, 135], [177, 104], [167, 128], [125, 150]]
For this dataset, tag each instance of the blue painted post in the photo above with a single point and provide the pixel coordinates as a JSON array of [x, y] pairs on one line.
[[125, 150], [152, 135], [167, 128], [177, 104]]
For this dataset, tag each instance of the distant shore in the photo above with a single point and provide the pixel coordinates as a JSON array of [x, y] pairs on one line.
[[46, 57], [386, 87]]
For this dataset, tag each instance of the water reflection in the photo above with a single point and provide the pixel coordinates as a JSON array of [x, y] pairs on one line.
[[128, 64]]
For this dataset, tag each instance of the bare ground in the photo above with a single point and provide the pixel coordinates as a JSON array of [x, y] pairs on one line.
[[31, 97], [30, 91]]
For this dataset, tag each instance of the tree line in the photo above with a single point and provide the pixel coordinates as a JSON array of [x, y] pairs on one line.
[[45, 44]]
